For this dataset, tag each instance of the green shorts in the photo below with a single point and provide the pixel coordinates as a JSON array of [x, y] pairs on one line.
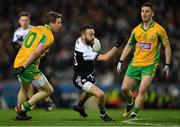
[[31, 73], [138, 72]]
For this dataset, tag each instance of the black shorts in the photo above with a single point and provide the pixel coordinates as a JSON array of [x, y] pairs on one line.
[[79, 81]]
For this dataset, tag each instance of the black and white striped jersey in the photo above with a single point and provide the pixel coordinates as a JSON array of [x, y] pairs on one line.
[[21, 33], [84, 58]]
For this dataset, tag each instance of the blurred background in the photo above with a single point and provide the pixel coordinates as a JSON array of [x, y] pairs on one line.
[[110, 18]]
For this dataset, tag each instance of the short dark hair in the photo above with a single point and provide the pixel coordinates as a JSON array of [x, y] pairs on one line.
[[148, 4], [51, 17], [24, 13], [83, 28]]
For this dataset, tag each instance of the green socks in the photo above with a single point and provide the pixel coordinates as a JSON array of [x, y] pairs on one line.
[[26, 106], [135, 110]]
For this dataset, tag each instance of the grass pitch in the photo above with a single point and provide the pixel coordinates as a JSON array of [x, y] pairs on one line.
[[67, 117]]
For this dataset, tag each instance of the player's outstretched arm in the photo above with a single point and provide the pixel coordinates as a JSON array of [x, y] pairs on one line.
[[35, 54], [112, 51], [108, 55]]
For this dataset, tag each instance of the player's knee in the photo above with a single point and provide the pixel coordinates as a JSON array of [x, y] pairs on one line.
[[50, 91], [124, 89], [100, 95]]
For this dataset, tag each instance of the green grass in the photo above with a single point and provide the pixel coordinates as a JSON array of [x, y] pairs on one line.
[[67, 117]]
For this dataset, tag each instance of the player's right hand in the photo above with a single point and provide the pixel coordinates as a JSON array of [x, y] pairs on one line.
[[119, 66], [19, 70]]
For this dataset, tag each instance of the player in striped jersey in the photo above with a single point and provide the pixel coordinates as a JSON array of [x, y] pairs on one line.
[[84, 58], [21, 32]]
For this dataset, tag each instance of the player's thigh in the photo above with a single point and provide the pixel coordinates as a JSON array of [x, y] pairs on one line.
[[147, 74], [149, 70], [30, 88], [48, 87], [134, 72], [83, 82], [24, 86], [41, 83], [128, 83], [145, 83], [94, 90], [31, 73]]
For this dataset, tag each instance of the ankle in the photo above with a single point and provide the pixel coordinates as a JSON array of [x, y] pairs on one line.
[[26, 106], [102, 112], [135, 110], [80, 105]]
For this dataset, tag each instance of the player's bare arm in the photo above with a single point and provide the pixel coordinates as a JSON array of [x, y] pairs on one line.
[[108, 55], [126, 52], [37, 52], [112, 51], [167, 52]]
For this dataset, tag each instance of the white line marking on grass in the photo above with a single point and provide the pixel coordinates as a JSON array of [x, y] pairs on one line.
[[134, 122]]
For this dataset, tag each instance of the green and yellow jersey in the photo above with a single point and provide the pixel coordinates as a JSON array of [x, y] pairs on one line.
[[38, 34], [147, 44]]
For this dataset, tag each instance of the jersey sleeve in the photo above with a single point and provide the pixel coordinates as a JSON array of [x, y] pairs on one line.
[[15, 37], [43, 39], [163, 36], [90, 55], [132, 39]]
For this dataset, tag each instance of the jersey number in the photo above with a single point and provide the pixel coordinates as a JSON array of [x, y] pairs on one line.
[[29, 39]]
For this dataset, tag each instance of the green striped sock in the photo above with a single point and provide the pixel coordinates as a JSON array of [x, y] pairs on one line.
[[26, 106], [135, 110]]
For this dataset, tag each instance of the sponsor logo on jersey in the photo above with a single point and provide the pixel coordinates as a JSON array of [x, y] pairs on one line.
[[145, 46]]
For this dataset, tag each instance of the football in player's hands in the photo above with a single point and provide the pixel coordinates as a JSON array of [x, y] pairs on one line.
[[97, 45]]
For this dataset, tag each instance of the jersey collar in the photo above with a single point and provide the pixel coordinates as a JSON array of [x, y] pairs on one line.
[[150, 26], [47, 26]]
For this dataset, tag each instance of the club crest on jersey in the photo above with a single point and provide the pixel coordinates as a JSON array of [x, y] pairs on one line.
[[152, 38], [145, 46]]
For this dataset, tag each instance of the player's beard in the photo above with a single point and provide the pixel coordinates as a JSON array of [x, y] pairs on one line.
[[89, 42]]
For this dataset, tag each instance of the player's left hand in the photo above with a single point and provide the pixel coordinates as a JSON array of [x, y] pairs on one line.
[[166, 70], [120, 41], [19, 70]]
